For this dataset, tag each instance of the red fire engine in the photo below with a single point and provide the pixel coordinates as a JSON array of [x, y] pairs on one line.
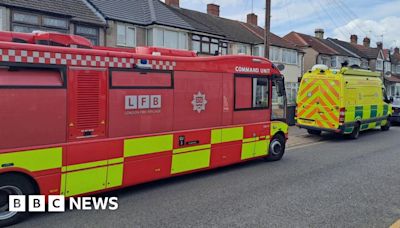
[[77, 119]]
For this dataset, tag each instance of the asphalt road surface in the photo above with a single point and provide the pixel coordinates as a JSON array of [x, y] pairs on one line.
[[333, 183]]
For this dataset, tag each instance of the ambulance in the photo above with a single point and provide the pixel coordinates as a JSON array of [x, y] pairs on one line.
[[345, 101]]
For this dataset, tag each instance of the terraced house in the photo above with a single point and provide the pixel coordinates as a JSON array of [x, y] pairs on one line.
[[64, 16]]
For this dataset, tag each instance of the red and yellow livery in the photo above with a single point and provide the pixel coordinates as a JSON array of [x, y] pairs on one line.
[[77, 120]]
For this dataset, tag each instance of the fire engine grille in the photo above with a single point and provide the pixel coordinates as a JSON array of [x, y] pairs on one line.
[[88, 101]]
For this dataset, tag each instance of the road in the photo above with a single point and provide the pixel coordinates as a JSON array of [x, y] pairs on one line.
[[333, 183]]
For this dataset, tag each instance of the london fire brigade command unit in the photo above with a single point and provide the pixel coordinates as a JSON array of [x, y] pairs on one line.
[[77, 119]]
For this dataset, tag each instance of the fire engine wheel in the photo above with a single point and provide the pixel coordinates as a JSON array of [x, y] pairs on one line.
[[276, 148], [12, 184], [387, 126], [356, 132]]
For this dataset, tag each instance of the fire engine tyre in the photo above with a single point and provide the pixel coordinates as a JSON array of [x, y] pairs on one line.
[[387, 126], [356, 132], [314, 132], [276, 148], [13, 184]]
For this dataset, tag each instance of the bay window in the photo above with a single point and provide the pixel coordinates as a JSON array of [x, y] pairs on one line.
[[208, 45], [1, 18], [90, 33], [126, 35], [29, 22], [379, 64], [289, 56], [160, 37]]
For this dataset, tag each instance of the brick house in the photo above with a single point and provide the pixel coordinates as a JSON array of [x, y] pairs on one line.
[[330, 52], [393, 80], [64, 16]]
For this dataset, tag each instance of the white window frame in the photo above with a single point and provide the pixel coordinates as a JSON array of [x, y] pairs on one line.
[[158, 38], [2, 18], [379, 64], [275, 54], [126, 27], [292, 55]]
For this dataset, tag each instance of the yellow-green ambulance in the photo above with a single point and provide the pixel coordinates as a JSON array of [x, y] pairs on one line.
[[344, 101]]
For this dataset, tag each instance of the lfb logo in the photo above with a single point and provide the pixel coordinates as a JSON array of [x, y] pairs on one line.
[[199, 102], [142, 102]]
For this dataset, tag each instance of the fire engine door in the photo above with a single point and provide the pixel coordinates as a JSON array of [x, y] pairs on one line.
[[87, 100]]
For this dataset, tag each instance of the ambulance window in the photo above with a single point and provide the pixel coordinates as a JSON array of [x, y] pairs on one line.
[[144, 79], [24, 77], [251, 92]]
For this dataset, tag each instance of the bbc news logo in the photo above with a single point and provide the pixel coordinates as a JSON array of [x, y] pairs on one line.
[[57, 203]]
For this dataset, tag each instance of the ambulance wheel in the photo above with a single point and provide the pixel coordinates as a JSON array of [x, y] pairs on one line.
[[276, 148], [314, 132], [387, 126], [356, 132], [13, 184]]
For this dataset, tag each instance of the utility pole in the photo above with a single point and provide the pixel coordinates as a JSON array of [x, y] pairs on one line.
[[267, 28]]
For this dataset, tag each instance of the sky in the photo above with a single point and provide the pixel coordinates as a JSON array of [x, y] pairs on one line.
[[377, 19]]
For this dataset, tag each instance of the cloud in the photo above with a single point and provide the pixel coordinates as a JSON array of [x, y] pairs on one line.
[[386, 29]]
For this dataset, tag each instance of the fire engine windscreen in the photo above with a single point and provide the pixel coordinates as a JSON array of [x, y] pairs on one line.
[[278, 100]]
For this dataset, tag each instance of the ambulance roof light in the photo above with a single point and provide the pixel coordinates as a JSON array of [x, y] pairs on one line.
[[321, 67]]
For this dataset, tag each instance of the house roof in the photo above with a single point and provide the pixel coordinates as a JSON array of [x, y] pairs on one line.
[[141, 12], [303, 40], [371, 53], [275, 40], [347, 48], [395, 58], [232, 30], [78, 10], [148, 12]]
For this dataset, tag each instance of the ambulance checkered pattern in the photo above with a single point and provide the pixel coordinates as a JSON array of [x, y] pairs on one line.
[[319, 101], [54, 58]]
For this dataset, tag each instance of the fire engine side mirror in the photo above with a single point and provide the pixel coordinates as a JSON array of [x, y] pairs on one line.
[[280, 84], [280, 67]]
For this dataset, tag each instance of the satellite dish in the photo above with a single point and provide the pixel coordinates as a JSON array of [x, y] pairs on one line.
[[388, 73]]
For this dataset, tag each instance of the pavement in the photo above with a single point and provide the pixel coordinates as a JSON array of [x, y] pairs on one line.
[[298, 137], [330, 183]]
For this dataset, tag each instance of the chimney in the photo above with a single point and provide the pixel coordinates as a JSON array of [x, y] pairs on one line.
[[396, 51], [379, 45], [367, 42], [252, 19], [354, 39], [319, 33], [213, 9], [174, 3]]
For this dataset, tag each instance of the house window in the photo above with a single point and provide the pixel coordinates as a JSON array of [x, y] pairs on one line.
[[223, 48], [207, 45], [289, 56], [90, 33], [29, 22], [1, 18], [167, 38], [291, 91], [126, 35], [334, 62], [242, 49], [54, 22], [388, 67], [258, 50], [275, 54], [379, 64]]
